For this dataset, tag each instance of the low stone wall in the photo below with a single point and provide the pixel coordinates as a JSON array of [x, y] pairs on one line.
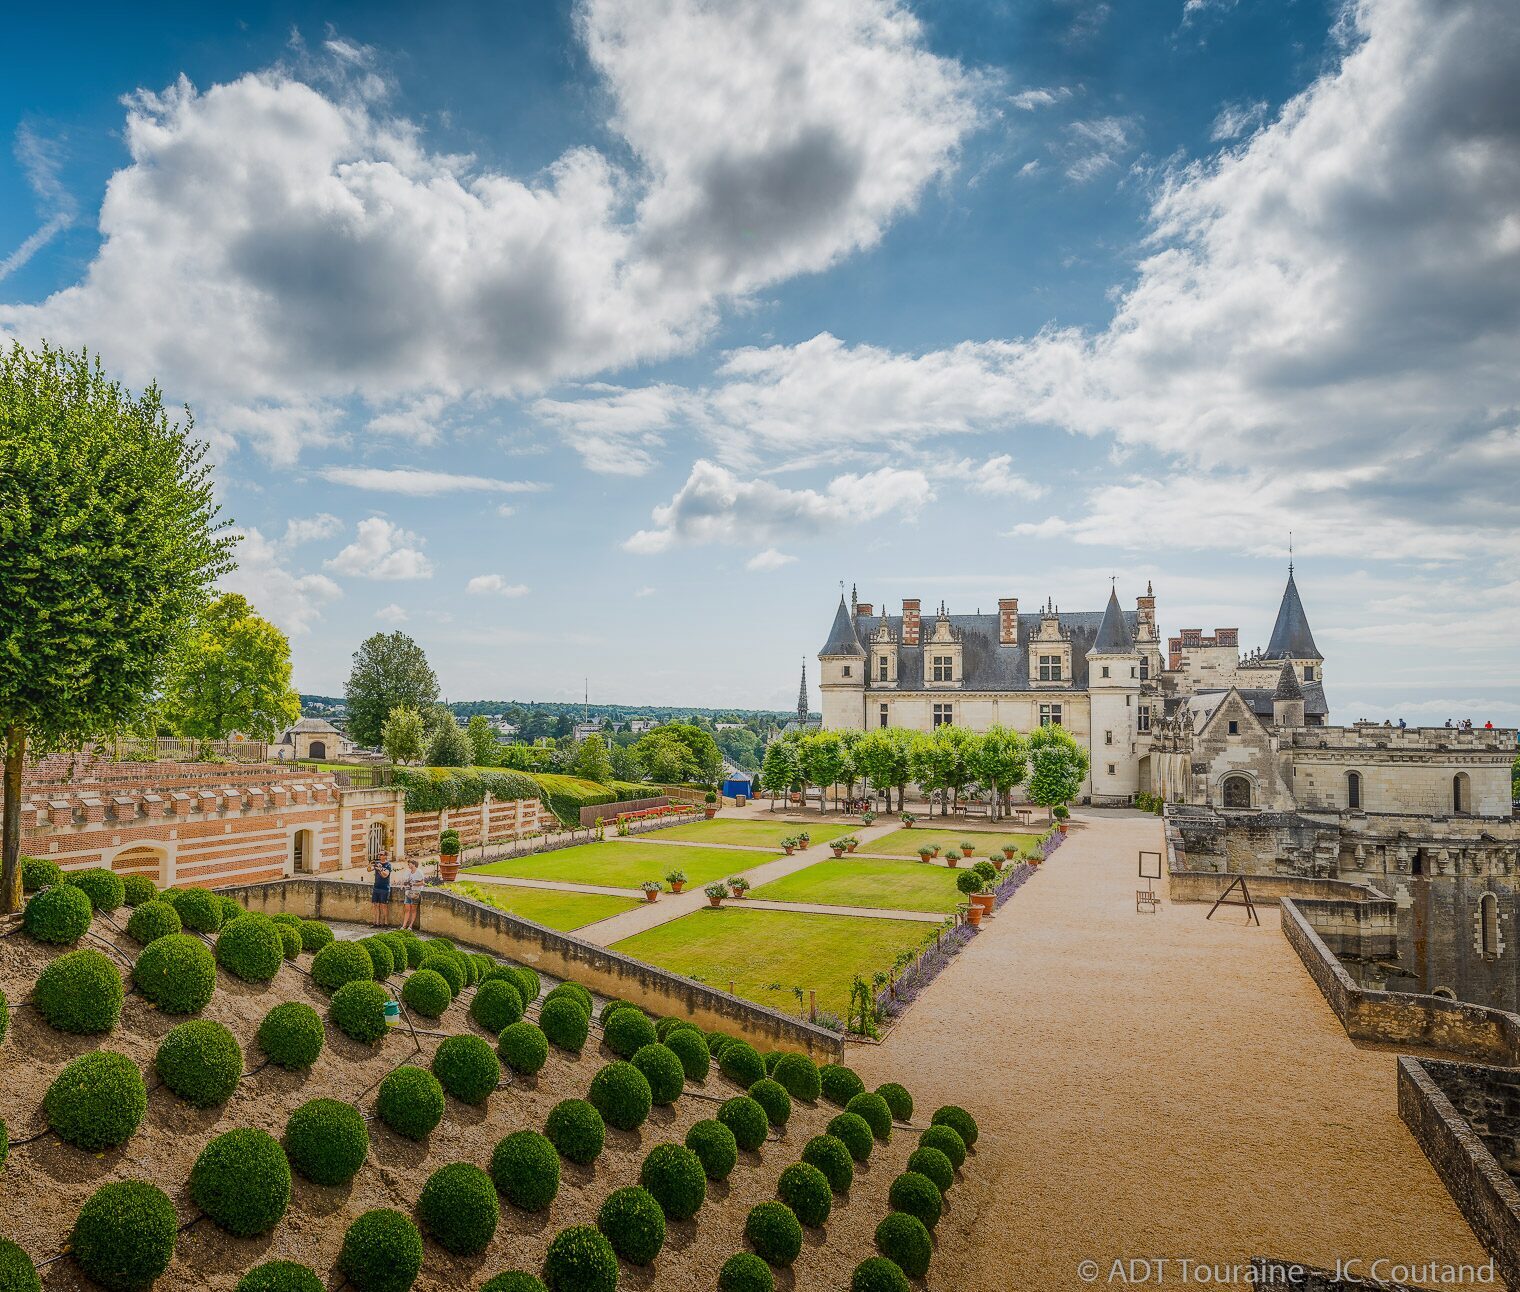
[[1208, 886], [559, 954]]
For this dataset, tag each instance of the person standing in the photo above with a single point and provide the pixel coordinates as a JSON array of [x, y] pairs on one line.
[[380, 894], [411, 893]]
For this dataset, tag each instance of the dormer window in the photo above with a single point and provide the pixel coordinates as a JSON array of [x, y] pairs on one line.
[[881, 668], [1308, 672], [1145, 668], [944, 667], [1050, 668]]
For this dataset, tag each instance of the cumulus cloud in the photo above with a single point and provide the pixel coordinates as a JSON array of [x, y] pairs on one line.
[[392, 614], [770, 559], [292, 601], [494, 585], [994, 476], [423, 484], [617, 430], [382, 550], [308, 529]]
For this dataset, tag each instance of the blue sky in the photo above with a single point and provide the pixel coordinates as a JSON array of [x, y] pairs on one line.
[[604, 340]]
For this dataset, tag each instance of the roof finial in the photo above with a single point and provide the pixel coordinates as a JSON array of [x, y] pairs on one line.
[[1290, 553], [854, 600]]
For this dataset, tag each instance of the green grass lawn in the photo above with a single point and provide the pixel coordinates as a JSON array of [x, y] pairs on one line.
[[752, 834], [906, 843], [624, 865], [887, 885], [767, 953], [555, 910]]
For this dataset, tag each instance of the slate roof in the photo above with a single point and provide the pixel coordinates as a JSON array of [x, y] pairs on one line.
[[1287, 684], [1114, 635], [1291, 638], [842, 639], [1259, 698]]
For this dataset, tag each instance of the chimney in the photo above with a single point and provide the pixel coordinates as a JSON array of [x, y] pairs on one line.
[[1008, 621], [863, 609], [910, 621]]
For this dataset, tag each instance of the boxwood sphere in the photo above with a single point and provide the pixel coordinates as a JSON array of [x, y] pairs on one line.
[[576, 1130], [610, 1007], [690, 1047], [933, 1163], [523, 1047], [416, 949], [427, 992], [746, 1119], [741, 1062], [39, 872], [286, 917], [899, 1101], [341, 962], [745, 1272], [633, 1223], [579, 1259], [839, 1084], [628, 1031], [775, 1233], [958, 1120], [831, 1157], [525, 1168], [397, 946], [17, 1273], [798, 1074], [103, 887], [290, 940], [904, 1241], [250, 948], [410, 1101], [281, 1276], [447, 967], [968, 882], [854, 1132], [358, 1009], [201, 1062], [123, 1237], [663, 1070], [79, 992], [458, 1208], [315, 935], [528, 983], [565, 1023], [381, 1252], [676, 1179], [137, 889], [380, 956], [198, 908], [876, 1113], [326, 1141], [577, 993], [771, 1096], [177, 973], [153, 920], [468, 1068], [917, 1195], [242, 1181], [771, 1058], [513, 1281], [496, 1005], [878, 1274], [97, 1101], [292, 1035], [231, 908], [805, 1189], [716, 1041], [947, 1141], [620, 1092], [58, 916], [664, 1024], [715, 1147]]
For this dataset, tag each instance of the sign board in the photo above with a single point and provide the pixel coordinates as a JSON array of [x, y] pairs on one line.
[[1150, 865]]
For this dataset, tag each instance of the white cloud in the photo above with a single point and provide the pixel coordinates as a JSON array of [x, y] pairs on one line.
[[995, 476], [494, 585], [1092, 147], [423, 484], [770, 559], [392, 614], [382, 550], [292, 601], [505, 510], [39, 163], [1236, 119], [1029, 100], [645, 591], [308, 529], [617, 430]]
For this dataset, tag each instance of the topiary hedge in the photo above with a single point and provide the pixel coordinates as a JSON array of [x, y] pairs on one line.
[[741, 1062], [523, 1048], [958, 1120], [38, 873], [775, 1233], [242, 1181], [577, 993], [839, 1084], [198, 908], [123, 1237], [904, 1241], [873, 1108], [314, 935], [798, 1075], [565, 1023], [933, 1163], [899, 1102], [138, 889], [17, 1273], [831, 1157], [427, 992], [397, 946], [715, 1147], [917, 1195], [379, 955], [496, 1005], [663, 1070], [200, 1061], [97, 1101], [153, 920], [231, 909], [416, 950], [290, 940], [381, 1252], [447, 966], [410, 1101], [358, 1010], [281, 1276], [745, 1272], [947, 1141], [690, 1047], [458, 1208], [103, 887], [468, 1068], [291, 1035], [746, 1119], [513, 1281], [854, 1132], [177, 973], [771, 1096], [579, 1259], [676, 1179], [525, 1168], [287, 918], [326, 1141], [576, 1130], [633, 1223], [250, 948], [58, 916], [806, 1190], [627, 1031], [878, 1274], [341, 962], [528, 983], [79, 992], [620, 1092]]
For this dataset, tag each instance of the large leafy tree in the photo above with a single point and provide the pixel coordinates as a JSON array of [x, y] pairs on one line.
[[679, 752], [825, 761], [231, 673], [404, 735], [999, 758], [1057, 766], [591, 760], [940, 763], [389, 669], [884, 756], [448, 746], [483, 742], [110, 541], [780, 772]]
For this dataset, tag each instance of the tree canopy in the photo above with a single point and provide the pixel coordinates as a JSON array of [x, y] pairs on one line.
[[1057, 766], [404, 735], [230, 673], [591, 760], [679, 752], [389, 669]]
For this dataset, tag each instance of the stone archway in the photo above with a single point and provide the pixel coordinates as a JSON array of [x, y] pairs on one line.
[[317, 749], [150, 860]]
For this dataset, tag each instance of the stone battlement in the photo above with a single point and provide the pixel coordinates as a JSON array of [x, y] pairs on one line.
[[1371, 736]]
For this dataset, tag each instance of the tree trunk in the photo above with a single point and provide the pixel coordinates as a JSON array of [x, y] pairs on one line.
[[10, 837]]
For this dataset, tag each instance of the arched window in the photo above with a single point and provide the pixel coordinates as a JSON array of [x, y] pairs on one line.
[[1461, 795], [1237, 791], [1488, 926], [1353, 789]]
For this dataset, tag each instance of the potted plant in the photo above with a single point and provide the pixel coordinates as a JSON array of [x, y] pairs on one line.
[[952, 860], [1063, 818], [677, 880], [908, 819], [868, 816], [448, 856], [973, 888], [837, 847], [925, 853], [967, 848], [716, 893], [790, 844], [973, 913], [711, 810], [934, 850], [997, 859], [1009, 849], [1033, 857], [850, 843], [804, 838], [652, 890], [737, 885]]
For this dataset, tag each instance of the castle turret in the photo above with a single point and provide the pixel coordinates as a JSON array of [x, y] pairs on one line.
[[1288, 698], [842, 676], [1113, 686], [1291, 639]]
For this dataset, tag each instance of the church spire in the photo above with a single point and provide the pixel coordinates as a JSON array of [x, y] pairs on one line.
[[1291, 638], [802, 697]]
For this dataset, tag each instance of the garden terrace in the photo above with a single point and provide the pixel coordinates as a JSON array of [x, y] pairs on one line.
[[552, 907], [860, 881], [615, 864], [751, 833], [906, 842]]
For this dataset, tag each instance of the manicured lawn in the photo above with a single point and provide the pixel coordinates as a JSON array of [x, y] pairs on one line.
[[906, 843], [751, 834], [887, 885], [555, 910], [767, 953], [624, 865]]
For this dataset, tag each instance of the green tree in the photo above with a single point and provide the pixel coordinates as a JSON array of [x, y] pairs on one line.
[[389, 669], [404, 735], [230, 673], [824, 761], [449, 746], [591, 760], [780, 771], [999, 758], [483, 742], [884, 756], [110, 541], [1057, 766], [679, 752], [625, 763], [939, 763]]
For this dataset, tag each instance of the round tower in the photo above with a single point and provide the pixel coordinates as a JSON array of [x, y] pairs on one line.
[[1113, 690]]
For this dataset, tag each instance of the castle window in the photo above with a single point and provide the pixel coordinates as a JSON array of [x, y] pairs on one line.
[[1461, 796], [1050, 715], [883, 715], [881, 668], [1050, 668], [1105, 670], [1108, 737], [944, 668], [1236, 792], [944, 715], [1353, 789], [1234, 728], [1143, 719], [1145, 668], [1111, 771], [846, 670], [1488, 925], [1308, 672]]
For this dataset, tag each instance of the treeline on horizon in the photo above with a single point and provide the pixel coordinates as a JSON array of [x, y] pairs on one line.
[[325, 705]]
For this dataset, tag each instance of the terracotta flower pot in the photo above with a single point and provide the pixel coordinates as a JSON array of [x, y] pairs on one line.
[[650, 896], [987, 901], [448, 868], [788, 848], [952, 861], [1064, 827], [710, 812], [997, 865], [838, 852], [850, 848], [965, 851], [974, 914], [715, 901], [676, 885]]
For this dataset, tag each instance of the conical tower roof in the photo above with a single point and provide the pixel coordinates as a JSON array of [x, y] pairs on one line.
[[1287, 684], [1291, 638], [842, 639], [1113, 633]]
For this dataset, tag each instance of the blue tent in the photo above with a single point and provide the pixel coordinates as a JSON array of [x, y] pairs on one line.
[[736, 783]]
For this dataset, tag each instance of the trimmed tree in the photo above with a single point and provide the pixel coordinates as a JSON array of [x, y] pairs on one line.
[[999, 758], [1057, 767], [779, 770], [389, 669], [485, 748], [449, 746], [403, 736], [231, 673], [824, 762]]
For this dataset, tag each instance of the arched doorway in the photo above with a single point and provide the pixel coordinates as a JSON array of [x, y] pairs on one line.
[[1236, 791], [303, 860], [150, 860], [1461, 793], [1353, 789], [317, 749]]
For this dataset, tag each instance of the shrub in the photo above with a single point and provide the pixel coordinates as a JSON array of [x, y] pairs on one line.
[[58, 916], [250, 948], [690, 1047], [876, 1113], [839, 1084], [230, 908], [341, 962], [438, 944], [198, 908], [947, 1141], [242, 1180], [611, 1007], [380, 956], [458, 1208], [103, 887], [633, 1223], [917, 1195], [381, 1252], [513, 1281], [281, 1276], [746, 1119], [39, 872], [358, 1010], [676, 1179], [527, 982], [97, 1101], [931, 1162], [17, 1273], [805, 1189], [468, 1068], [579, 1259], [576, 1130], [314, 935], [798, 1074], [831, 1157], [525, 1168], [427, 992], [741, 1062], [397, 946], [772, 1096], [771, 1058], [774, 1232], [664, 1026], [290, 944], [200, 1061], [627, 1031], [577, 993], [123, 1237], [745, 1272], [496, 1006], [286, 917], [291, 1035], [620, 1092], [447, 967], [958, 1120], [899, 1101], [326, 1141], [410, 1101], [878, 1274], [416, 950], [715, 1147], [854, 1132], [177, 973], [565, 1023], [904, 1241], [968, 882], [153, 920], [716, 1041], [663, 1070], [137, 889], [79, 992]]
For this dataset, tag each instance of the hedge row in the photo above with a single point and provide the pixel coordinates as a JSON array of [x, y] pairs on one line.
[[436, 789]]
